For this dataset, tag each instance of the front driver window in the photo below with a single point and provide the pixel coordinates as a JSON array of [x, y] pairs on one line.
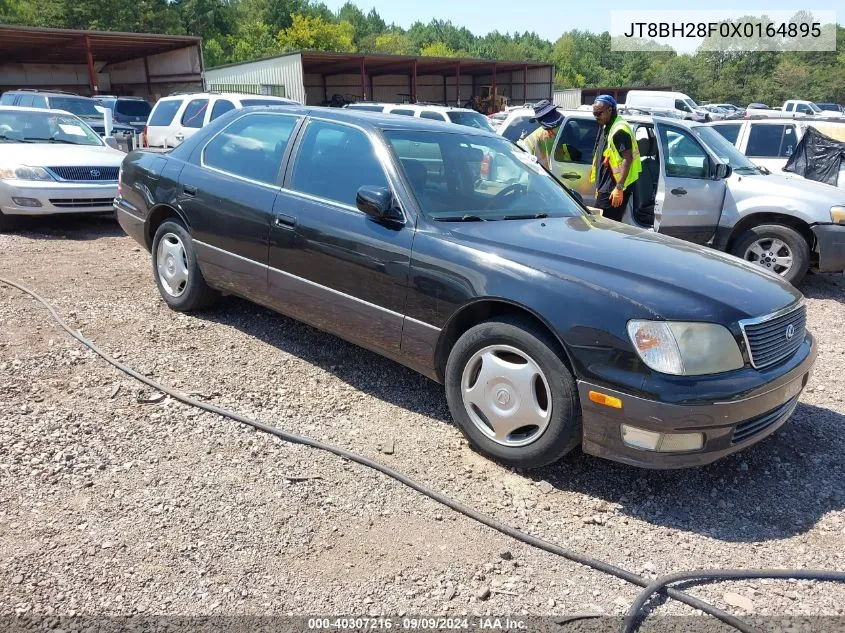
[[683, 156]]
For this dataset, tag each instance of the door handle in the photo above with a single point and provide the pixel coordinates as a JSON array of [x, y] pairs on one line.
[[283, 221], [679, 191], [189, 190], [570, 175], [179, 136]]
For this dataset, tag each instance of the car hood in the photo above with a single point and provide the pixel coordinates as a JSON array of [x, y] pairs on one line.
[[788, 193], [662, 277], [50, 155]]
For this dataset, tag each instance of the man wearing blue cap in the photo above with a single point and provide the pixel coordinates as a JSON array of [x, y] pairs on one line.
[[541, 141], [616, 159]]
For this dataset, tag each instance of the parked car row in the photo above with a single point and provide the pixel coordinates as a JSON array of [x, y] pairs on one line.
[[450, 251]]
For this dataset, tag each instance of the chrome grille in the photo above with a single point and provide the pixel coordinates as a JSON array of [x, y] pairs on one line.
[[750, 428], [81, 203], [776, 337], [89, 174]]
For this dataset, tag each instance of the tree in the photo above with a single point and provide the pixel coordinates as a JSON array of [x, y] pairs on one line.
[[392, 44], [314, 33], [437, 49]]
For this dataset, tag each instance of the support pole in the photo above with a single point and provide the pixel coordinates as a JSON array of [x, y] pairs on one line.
[[525, 84], [414, 81], [92, 75], [458, 85], [363, 80], [147, 77]]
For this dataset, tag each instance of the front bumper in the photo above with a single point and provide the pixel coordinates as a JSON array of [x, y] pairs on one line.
[[830, 244], [56, 197], [728, 426]]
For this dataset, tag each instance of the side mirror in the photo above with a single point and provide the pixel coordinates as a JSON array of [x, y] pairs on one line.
[[377, 202], [723, 171], [111, 142]]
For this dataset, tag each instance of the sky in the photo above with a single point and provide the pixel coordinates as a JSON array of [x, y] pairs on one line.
[[549, 19]]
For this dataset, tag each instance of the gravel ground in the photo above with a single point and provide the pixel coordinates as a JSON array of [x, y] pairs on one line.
[[114, 502]]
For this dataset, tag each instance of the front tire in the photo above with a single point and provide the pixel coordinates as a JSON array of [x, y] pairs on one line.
[[512, 395], [7, 222], [777, 248], [177, 274]]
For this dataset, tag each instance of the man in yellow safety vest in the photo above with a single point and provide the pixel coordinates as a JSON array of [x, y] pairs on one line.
[[616, 159], [541, 141]]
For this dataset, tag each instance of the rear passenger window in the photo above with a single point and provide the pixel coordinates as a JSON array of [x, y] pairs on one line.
[[251, 147], [434, 116], [221, 106], [194, 113], [729, 132], [576, 142], [334, 161], [403, 112], [164, 112], [764, 140], [39, 102], [790, 140]]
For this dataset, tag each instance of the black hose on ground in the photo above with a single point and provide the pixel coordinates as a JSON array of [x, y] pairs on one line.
[[583, 559]]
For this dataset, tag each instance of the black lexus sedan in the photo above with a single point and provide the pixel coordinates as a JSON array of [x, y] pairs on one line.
[[451, 251]]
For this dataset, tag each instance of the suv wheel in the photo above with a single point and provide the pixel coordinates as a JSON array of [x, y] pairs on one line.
[[512, 395], [7, 222], [780, 249], [176, 271]]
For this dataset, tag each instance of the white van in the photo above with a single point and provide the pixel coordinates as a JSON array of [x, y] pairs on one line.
[[175, 118], [459, 116], [672, 103]]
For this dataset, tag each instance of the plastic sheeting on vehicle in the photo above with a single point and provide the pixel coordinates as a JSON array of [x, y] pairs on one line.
[[817, 157]]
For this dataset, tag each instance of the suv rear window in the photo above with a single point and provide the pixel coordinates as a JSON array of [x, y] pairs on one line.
[[164, 112], [518, 127], [132, 107], [729, 130]]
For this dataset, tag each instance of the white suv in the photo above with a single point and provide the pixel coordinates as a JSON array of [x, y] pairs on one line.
[[175, 118], [459, 116]]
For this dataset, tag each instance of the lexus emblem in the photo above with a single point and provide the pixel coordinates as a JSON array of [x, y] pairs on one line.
[[790, 331], [95, 173]]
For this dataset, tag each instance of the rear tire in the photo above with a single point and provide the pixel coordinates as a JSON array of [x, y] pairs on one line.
[[512, 395], [177, 274], [769, 246]]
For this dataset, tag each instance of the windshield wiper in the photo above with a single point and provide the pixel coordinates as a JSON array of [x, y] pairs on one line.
[[16, 140], [461, 218], [536, 216], [49, 140]]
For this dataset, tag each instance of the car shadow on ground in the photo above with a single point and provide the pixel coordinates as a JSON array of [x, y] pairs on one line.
[[778, 488], [68, 227], [824, 286]]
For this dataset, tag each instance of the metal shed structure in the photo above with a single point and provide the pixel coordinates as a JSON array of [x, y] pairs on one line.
[[312, 78], [97, 62]]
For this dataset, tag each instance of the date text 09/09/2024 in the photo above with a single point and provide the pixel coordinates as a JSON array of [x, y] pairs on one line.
[[417, 623], [723, 29]]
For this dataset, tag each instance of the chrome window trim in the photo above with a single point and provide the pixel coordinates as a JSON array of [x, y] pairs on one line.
[[272, 186], [313, 284], [763, 319]]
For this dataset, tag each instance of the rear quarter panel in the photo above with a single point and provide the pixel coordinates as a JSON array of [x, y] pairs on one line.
[[149, 180]]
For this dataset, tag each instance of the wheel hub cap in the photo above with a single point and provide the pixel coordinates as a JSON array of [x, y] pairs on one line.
[[172, 264], [506, 395], [772, 254]]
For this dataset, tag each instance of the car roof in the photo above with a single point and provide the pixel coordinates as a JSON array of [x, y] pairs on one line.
[[226, 95], [372, 120], [38, 110]]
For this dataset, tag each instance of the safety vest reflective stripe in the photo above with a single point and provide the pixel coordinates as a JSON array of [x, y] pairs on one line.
[[614, 159]]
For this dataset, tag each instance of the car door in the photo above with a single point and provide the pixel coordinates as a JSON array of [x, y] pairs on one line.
[[330, 264], [227, 192], [689, 198], [573, 155]]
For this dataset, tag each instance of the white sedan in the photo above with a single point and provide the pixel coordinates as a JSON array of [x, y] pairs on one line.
[[52, 162]]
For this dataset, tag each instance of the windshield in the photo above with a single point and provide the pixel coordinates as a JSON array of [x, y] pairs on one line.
[[133, 107], [465, 177], [690, 103], [470, 119], [726, 152], [814, 107], [80, 107], [44, 127]]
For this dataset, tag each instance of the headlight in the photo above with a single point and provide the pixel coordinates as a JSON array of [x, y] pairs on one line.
[[837, 215], [23, 172], [685, 349]]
